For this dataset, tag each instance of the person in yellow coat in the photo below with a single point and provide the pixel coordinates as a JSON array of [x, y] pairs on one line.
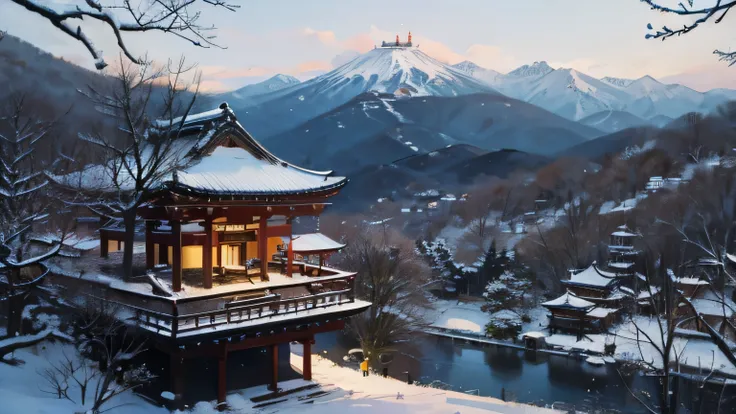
[[364, 367]]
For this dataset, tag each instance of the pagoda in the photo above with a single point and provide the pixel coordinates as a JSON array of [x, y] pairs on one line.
[[621, 252], [224, 271]]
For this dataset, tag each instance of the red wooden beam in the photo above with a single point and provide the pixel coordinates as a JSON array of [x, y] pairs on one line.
[[263, 246], [207, 255]]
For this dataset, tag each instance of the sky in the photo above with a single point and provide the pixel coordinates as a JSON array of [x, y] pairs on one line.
[[306, 38]]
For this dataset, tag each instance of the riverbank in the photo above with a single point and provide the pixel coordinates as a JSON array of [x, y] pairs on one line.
[[632, 340]]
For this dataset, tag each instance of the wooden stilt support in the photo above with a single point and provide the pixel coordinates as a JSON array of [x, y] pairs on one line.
[[307, 360], [274, 386], [176, 372], [222, 380]]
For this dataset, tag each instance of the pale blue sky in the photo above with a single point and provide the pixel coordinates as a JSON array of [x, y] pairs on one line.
[[301, 38]]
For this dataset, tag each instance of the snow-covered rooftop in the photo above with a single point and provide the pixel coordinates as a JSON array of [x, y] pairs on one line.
[[623, 233], [592, 276], [568, 300], [601, 312], [238, 171], [199, 164], [314, 242]]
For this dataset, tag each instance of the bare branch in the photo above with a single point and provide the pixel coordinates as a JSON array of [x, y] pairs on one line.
[[176, 17]]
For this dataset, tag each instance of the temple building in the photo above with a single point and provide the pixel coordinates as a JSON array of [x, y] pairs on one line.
[[594, 296], [398, 42], [220, 269]]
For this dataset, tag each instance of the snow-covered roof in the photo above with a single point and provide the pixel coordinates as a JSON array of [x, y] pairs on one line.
[[199, 164], [601, 312], [712, 304], [620, 265], [646, 294], [623, 233], [534, 334], [592, 276], [693, 281], [568, 300], [237, 171], [314, 242]]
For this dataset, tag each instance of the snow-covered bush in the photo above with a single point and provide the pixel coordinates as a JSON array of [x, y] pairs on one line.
[[504, 324], [505, 292]]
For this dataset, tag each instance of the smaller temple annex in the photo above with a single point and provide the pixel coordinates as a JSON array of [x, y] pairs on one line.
[[217, 266]]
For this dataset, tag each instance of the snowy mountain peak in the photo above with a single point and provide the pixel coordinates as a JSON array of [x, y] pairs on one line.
[[648, 80], [285, 79], [389, 70], [536, 69], [272, 84], [467, 66], [620, 82]]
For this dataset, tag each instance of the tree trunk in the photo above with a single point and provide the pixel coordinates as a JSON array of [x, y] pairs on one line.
[[16, 305], [128, 239]]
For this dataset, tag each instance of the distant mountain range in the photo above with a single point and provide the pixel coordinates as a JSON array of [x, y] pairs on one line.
[[395, 120], [576, 95], [377, 128], [272, 84]]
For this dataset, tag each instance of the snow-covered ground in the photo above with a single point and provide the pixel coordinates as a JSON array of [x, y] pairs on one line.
[[457, 316], [23, 390]]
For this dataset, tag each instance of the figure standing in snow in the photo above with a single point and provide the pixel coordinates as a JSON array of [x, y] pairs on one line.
[[364, 367]]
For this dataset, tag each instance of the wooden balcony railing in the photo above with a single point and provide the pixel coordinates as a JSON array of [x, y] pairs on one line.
[[237, 312]]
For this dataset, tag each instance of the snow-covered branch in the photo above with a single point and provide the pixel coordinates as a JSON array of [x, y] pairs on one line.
[[176, 17]]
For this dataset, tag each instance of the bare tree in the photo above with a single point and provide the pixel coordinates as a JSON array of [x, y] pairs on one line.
[[144, 152], [389, 276], [26, 207], [715, 12], [659, 354], [180, 18]]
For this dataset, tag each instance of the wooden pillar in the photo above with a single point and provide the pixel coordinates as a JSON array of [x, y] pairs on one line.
[[104, 243], [150, 251], [163, 254], [176, 373], [263, 246], [219, 255], [176, 256], [290, 258], [207, 255], [243, 253], [321, 262], [307, 360], [221, 379], [274, 386]]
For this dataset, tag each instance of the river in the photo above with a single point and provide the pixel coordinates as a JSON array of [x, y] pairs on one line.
[[524, 376]]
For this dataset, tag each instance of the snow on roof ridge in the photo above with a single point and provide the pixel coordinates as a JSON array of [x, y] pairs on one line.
[[570, 300], [592, 276]]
